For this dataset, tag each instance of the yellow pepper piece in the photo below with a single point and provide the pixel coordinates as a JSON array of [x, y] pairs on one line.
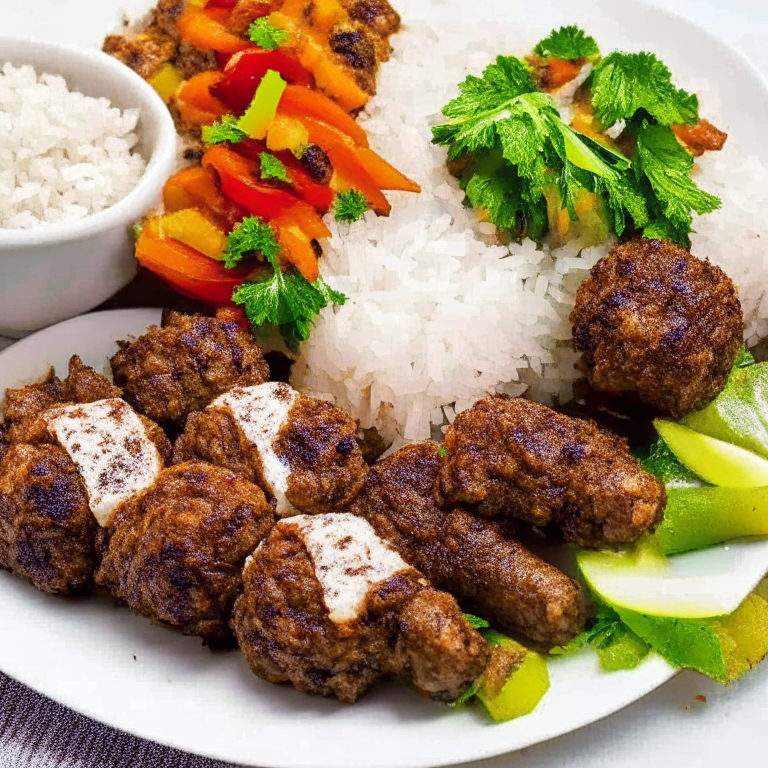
[[286, 133], [165, 81], [190, 227]]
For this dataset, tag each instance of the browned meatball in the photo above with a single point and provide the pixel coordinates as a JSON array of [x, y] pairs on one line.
[[177, 550], [47, 531], [316, 443], [655, 320], [514, 457], [378, 18], [83, 384], [288, 626], [470, 557], [180, 367], [356, 51]]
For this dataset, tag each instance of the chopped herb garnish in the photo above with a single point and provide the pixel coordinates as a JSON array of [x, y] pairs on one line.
[[137, 229], [223, 131], [625, 83], [570, 43], [744, 359], [266, 35], [350, 206], [273, 168], [252, 237], [287, 300], [476, 622]]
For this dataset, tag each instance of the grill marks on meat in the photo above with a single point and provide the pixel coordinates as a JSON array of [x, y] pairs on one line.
[[406, 629], [47, 532], [177, 369], [177, 550], [654, 320], [518, 458], [469, 557], [317, 442]]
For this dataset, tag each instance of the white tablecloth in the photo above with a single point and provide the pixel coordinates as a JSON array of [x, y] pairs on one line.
[[668, 729]]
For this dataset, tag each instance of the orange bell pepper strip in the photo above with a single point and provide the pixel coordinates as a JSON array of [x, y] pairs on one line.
[[298, 102], [188, 270], [317, 57], [197, 92], [349, 174], [204, 29], [198, 187], [384, 175], [297, 248], [238, 177]]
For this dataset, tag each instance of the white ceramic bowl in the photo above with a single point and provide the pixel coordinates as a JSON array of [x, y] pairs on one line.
[[56, 271]]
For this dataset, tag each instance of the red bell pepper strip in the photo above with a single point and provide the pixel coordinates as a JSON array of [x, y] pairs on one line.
[[317, 195], [239, 176], [300, 101], [188, 270], [220, 4], [245, 71]]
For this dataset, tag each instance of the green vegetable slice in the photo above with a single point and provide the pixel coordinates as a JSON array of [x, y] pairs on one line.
[[713, 460], [257, 118]]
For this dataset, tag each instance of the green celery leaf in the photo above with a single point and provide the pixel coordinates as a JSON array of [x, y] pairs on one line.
[[624, 83], [570, 43]]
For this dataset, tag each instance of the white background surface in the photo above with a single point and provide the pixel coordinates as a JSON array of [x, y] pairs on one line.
[[669, 728]]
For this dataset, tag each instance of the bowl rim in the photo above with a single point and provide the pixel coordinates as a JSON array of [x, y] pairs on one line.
[[162, 153]]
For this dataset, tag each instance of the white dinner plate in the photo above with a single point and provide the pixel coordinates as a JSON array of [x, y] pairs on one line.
[[121, 670]]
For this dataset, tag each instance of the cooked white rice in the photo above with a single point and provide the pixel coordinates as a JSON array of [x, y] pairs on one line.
[[63, 155], [437, 315]]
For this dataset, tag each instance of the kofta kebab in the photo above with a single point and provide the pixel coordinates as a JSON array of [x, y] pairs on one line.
[[264, 92], [263, 523]]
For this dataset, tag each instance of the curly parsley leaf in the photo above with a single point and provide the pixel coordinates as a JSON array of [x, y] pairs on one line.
[[223, 131], [273, 168], [252, 237], [624, 83], [570, 43], [266, 35], [350, 206], [666, 165]]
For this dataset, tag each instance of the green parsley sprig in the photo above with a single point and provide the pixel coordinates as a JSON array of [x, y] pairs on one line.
[[350, 206], [569, 43], [266, 35], [284, 299], [273, 168], [223, 131]]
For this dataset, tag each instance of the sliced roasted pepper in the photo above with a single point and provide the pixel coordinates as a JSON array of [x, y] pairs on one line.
[[198, 187], [245, 70], [299, 101], [317, 57], [194, 101], [192, 228], [384, 175], [187, 270], [239, 176], [166, 80], [297, 247], [317, 195], [204, 29]]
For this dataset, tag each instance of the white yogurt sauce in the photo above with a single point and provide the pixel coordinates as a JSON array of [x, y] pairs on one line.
[[260, 412], [109, 446], [349, 559]]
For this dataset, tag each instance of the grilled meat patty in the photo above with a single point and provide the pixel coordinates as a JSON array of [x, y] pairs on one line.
[[328, 633], [510, 456], [655, 320], [178, 368], [176, 551], [470, 557]]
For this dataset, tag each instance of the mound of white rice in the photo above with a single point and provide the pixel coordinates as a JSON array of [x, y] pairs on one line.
[[63, 155], [437, 315]]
